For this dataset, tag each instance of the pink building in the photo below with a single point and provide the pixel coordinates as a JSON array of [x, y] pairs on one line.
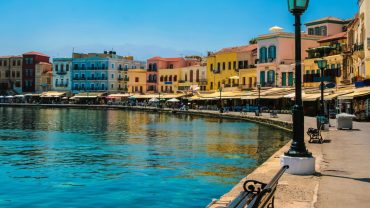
[[327, 26], [156, 63], [276, 53]]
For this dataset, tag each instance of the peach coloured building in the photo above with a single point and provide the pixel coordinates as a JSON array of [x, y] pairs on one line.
[[326, 26], [164, 64], [276, 54]]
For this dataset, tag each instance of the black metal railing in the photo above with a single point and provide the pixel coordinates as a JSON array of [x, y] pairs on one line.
[[61, 72]]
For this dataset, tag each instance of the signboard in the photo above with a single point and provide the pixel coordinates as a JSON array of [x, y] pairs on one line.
[[167, 83]]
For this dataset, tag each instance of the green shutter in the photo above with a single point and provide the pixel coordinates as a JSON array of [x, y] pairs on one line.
[[283, 79]]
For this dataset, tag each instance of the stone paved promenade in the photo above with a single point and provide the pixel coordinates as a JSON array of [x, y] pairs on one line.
[[342, 165]]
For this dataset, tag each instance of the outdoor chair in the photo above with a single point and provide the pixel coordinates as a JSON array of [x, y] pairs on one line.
[[315, 135], [273, 114]]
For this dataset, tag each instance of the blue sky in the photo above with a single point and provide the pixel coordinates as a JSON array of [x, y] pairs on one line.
[[146, 28]]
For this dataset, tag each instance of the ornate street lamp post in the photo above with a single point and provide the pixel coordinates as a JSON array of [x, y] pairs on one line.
[[322, 64], [298, 158], [259, 99], [221, 108]]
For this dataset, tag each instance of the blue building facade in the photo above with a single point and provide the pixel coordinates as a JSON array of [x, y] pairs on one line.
[[90, 74]]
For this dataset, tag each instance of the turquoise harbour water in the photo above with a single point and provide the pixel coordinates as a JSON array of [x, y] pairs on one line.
[[111, 158]]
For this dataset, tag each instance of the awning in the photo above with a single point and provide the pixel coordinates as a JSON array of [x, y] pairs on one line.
[[249, 97], [311, 97], [353, 95], [53, 94], [33, 95], [89, 95], [335, 95], [118, 95]]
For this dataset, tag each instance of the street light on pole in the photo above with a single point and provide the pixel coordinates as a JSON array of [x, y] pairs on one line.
[[259, 98], [298, 158], [221, 108], [322, 64]]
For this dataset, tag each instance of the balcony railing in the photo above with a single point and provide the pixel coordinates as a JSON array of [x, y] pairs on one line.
[[61, 85], [151, 81], [90, 88], [152, 70], [216, 71], [329, 76], [61, 72], [120, 78], [79, 78], [357, 47]]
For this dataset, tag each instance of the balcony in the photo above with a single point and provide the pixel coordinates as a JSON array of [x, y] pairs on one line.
[[97, 78], [120, 78], [357, 47], [203, 81], [216, 71], [61, 72], [151, 81], [152, 70], [79, 78], [126, 79], [61, 85], [330, 75]]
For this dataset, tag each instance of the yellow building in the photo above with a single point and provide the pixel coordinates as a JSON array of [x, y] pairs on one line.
[[224, 66], [192, 77], [168, 80], [43, 77], [332, 49], [137, 81]]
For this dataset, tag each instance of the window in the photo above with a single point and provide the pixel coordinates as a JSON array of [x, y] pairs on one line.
[[75, 67], [229, 65], [67, 67], [324, 30], [83, 66], [62, 67], [283, 79], [112, 66], [170, 79], [223, 66], [13, 74], [240, 65], [211, 86], [165, 78], [234, 65], [197, 75], [14, 63], [272, 53], [191, 76], [112, 76], [103, 86], [103, 66], [56, 67], [111, 86], [18, 74], [317, 31], [136, 79], [245, 65], [19, 62], [186, 77], [175, 78], [161, 78], [56, 82], [271, 76], [218, 66], [1, 62], [310, 31], [263, 55], [211, 67], [5, 63], [170, 66]]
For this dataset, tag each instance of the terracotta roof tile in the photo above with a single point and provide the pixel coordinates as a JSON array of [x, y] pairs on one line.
[[35, 53], [342, 35], [236, 49]]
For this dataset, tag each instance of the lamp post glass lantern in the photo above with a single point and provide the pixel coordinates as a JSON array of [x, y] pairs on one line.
[[298, 147], [297, 6], [322, 64]]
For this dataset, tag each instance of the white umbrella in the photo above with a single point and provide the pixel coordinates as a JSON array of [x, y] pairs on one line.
[[173, 100], [153, 100], [9, 96]]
